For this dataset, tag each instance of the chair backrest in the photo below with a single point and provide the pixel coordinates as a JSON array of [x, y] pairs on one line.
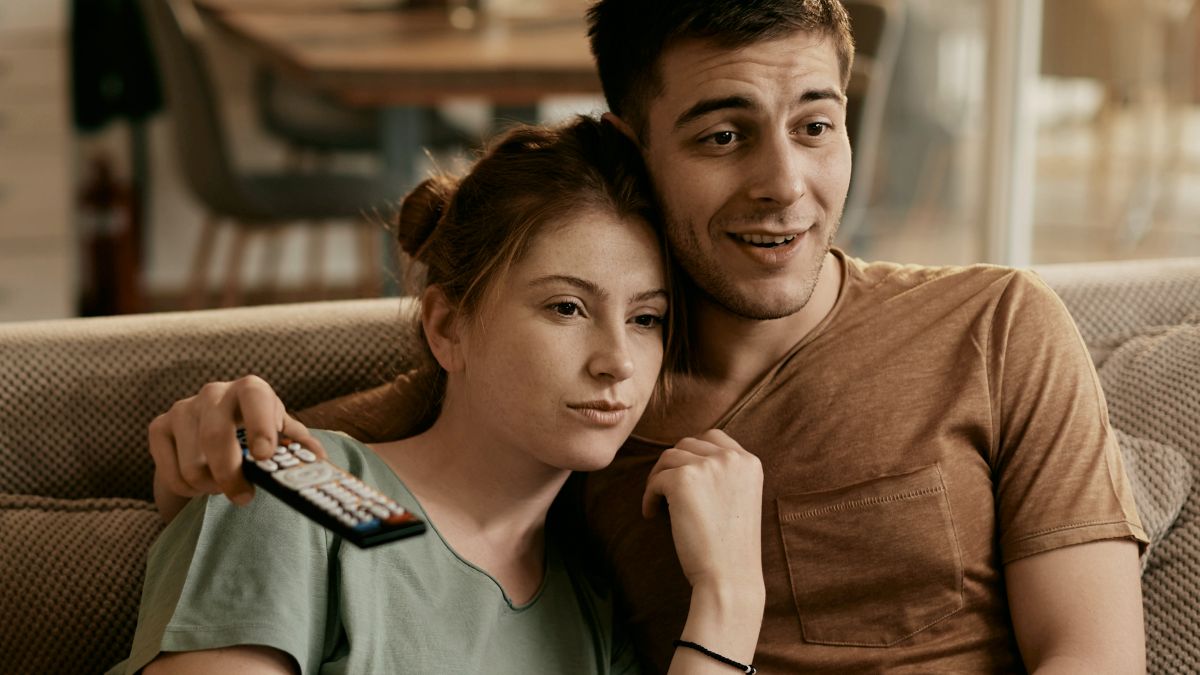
[[878, 26], [192, 103]]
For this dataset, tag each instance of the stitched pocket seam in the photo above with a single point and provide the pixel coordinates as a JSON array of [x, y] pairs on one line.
[[859, 503]]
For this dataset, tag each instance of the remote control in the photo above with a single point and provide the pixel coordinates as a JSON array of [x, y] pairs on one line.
[[333, 498]]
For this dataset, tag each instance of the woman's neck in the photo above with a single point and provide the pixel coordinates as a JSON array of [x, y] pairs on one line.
[[488, 502]]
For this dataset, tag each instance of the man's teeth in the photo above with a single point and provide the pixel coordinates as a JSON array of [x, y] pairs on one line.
[[761, 239]]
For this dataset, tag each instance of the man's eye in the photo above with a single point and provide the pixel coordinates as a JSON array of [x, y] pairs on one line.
[[722, 138], [565, 308], [816, 128]]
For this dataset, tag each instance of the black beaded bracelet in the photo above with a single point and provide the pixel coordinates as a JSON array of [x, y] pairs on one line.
[[745, 668]]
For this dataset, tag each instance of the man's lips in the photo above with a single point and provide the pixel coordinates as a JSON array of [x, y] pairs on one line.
[[767, 239]]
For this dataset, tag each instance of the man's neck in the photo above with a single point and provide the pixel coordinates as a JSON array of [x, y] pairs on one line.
[[731, 354], [732, 350]]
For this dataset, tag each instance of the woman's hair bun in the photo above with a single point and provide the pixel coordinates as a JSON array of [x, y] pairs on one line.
[[421, 211]]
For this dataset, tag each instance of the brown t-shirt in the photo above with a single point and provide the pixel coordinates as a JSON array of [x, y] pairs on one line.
[[940, 423]]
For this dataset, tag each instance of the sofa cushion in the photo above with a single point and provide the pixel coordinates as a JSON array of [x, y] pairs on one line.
[[71, 577], [1161, 478], [1152, 384]]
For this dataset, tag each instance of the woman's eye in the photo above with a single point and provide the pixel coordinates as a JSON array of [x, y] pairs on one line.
[[565, 308], [648, 320]]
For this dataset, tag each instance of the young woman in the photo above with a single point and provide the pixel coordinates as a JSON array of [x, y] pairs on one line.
[[544, 308]]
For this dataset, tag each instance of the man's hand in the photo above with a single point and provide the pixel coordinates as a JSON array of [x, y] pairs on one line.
[[195, 448]]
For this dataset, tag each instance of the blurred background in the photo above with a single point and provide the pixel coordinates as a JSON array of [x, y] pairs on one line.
[[161, 155]]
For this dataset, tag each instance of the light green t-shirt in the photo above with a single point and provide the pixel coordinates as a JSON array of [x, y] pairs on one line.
[[263, 574]]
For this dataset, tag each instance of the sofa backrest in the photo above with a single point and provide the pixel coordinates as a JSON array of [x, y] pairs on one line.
[[77, 395]]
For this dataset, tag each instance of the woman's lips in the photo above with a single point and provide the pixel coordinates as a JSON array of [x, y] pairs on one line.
[[601, 413]]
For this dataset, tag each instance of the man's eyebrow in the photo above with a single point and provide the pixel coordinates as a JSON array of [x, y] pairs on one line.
[[593, 289], [823, 95], [706, 106]]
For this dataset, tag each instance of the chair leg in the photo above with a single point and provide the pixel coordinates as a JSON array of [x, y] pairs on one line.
[[272, 261], [233, 273], [314, 273], [370, 282], [197, 294]]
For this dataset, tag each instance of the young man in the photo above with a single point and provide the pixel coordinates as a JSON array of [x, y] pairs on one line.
[[942, 490]]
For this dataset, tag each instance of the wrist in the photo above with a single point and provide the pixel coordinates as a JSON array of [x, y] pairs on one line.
[[726, 618]]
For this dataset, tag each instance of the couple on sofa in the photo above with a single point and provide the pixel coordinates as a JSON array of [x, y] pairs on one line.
[[842, 465]]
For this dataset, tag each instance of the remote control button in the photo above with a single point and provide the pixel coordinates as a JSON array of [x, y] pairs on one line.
[[306, 475], [294, 446], [288, 461], [267, 465], [310, 492], [306, 455], [379, 511]]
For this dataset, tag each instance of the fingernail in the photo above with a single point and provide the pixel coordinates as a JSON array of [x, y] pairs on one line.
[[263, 448]]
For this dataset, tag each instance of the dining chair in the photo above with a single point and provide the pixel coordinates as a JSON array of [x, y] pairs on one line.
[[254, 203], [878, 26], [315, 126]]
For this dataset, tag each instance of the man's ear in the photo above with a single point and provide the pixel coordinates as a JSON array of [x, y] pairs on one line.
[[622, 126], [440, 321]]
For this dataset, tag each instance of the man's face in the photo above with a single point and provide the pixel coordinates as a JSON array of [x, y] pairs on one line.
[[750, 158]]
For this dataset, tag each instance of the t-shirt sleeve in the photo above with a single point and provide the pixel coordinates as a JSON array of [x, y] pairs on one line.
[[221, 575], [1060, 480]]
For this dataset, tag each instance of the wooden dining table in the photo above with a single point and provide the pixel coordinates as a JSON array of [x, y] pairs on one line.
[[400, 59]]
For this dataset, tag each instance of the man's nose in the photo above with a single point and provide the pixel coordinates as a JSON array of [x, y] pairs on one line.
[[778, 170]]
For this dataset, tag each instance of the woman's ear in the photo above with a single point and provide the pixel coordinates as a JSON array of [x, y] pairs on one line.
[[440, 321]]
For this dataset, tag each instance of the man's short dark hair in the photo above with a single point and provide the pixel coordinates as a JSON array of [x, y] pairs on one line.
[[629, 36]]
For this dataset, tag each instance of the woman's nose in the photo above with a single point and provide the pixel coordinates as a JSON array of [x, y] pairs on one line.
[[611, 357]]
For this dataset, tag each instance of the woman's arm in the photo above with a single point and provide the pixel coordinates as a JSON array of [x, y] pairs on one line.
[[713, 492], [248, 659], [1078, 609], [196, 453]]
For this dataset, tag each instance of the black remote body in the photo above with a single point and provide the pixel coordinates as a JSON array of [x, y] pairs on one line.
[[330, 496]]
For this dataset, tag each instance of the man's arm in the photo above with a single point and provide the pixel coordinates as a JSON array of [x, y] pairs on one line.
[[1078, 609]]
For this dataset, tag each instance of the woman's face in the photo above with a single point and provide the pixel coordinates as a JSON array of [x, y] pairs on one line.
[[566, 353]]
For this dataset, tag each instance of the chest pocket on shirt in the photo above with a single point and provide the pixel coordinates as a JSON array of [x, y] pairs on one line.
[[873, 564]]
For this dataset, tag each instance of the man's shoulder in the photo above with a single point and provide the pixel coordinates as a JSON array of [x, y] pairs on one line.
[[884, 279]]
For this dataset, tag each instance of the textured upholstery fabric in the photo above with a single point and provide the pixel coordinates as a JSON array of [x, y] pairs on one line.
[[1152, 384], [1162, 480], [1114, 302], [70, 579], [76, 396]]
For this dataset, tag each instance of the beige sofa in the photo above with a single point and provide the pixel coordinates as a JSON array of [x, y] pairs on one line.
[[76, 396]]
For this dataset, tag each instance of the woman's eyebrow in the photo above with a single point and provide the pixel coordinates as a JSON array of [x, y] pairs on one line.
[[649, 295], [592, 288], [581, 284]]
